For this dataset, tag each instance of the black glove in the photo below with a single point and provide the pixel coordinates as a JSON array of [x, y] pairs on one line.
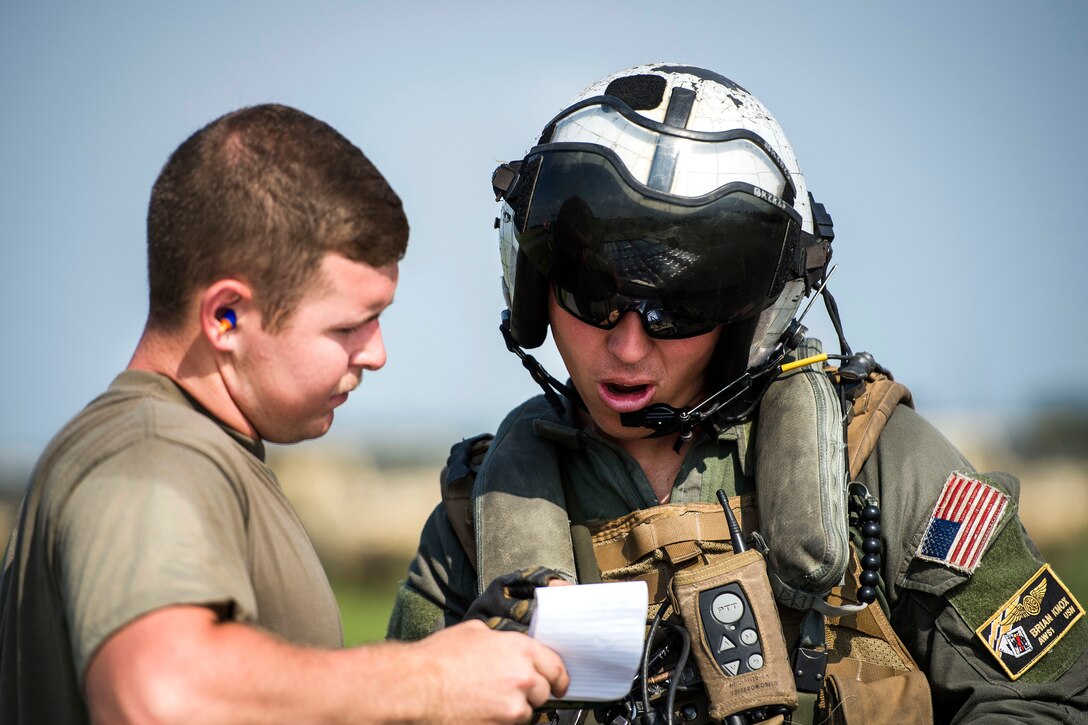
[[508, 602]]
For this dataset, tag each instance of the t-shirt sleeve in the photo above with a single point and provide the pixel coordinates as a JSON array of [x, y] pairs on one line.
[[155, 525]]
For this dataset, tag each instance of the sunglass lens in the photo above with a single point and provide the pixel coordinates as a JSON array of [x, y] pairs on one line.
[[659, 322]]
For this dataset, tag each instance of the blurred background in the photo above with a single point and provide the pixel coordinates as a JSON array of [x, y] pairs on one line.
[[946, 139]]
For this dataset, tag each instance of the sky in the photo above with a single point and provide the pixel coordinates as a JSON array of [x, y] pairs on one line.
[[945, 139]]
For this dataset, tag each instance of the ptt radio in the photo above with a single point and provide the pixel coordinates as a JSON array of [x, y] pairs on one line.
[[729, 610]]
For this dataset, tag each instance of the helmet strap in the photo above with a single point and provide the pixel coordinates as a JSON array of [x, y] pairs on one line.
[[552, 388]]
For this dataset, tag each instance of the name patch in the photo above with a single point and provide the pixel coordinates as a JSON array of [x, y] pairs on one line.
[[962, 523], [1030, 623]]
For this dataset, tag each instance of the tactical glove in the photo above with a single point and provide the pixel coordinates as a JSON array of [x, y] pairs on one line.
[[508, 602]]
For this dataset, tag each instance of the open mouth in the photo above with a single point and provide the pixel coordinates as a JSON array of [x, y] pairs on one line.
[[617, 389], [624, 398]]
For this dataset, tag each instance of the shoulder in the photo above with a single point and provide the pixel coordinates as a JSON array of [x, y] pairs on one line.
[[959, 554], [133, 447], [137, 407], [907, 471], [143, 416], [522, 419], [518, 451]]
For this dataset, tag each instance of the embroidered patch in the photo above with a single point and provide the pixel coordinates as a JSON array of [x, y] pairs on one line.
[[962, 523], [1030, 623]]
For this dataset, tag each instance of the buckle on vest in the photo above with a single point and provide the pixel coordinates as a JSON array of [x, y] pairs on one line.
[[810, 657], [809, 667]]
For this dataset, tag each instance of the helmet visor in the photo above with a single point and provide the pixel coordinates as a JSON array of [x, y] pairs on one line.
[[604, 240]]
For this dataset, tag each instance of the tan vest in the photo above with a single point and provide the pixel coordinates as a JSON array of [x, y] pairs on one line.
[[869, 671]]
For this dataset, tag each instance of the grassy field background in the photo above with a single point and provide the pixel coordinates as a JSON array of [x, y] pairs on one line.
[[365, 608]]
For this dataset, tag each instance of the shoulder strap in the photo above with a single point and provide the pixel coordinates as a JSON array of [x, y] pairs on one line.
[[457, 479], [869, 414], [585, 563]]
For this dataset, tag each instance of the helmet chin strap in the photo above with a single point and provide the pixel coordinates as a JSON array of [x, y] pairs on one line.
[[552, 388]]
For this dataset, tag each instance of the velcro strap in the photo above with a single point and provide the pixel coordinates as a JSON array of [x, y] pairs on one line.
[[664, 532], [682, 551], [632, 537], [657, 584]]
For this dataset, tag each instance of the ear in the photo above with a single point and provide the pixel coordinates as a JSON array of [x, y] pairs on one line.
[[217, 299]]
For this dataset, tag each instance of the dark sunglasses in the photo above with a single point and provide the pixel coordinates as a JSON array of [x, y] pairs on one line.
[[660, 321]]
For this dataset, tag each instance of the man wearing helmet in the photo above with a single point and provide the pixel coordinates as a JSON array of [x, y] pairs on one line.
[[903, 581]]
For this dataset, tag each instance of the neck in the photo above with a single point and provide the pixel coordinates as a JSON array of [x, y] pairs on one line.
[[188, 361], [659, 460]]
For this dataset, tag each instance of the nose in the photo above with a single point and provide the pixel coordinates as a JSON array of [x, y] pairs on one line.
[[628, 341], [370, 353]]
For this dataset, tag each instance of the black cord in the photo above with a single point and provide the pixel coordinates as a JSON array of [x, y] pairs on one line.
[[551, 387], [833, 313], [646, 655], [674, 678]]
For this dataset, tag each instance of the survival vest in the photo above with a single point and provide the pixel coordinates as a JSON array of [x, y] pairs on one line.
[[868, 670]]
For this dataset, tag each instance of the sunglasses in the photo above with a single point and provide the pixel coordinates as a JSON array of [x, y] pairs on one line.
[[661, 321]]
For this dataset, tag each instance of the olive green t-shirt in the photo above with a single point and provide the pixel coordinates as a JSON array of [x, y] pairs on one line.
[[144, 501]]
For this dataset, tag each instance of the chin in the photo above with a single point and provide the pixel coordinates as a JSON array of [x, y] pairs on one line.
[[306, 432], [616, 431], [319, 429], [629, 434]]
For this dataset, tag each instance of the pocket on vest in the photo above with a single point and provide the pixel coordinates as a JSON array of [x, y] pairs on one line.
[[903, 696]]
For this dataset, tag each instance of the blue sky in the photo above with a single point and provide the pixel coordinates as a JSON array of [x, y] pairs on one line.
[[946, 139]]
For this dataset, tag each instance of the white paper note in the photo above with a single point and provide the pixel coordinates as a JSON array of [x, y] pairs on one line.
[[598, 630]]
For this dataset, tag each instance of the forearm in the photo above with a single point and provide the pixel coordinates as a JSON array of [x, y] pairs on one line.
[[227, 672], [181, 665]]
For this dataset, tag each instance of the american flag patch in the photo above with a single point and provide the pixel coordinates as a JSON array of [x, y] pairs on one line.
[[962, 523]]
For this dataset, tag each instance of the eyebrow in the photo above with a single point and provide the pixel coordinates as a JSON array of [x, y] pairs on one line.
[[368, 317]]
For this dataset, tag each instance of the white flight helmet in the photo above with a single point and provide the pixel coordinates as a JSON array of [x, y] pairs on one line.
[[669, 190]]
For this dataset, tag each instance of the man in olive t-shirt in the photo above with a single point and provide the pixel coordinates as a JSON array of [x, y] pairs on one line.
[[145, 501], [156, 571]]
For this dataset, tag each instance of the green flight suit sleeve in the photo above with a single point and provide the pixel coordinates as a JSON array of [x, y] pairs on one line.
[[936, 610], [441, 583]]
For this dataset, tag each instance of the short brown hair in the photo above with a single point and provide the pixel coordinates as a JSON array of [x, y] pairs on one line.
[[263, 194]]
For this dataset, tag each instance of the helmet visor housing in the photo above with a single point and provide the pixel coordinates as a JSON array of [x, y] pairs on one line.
[[608, 243], [674, 160]]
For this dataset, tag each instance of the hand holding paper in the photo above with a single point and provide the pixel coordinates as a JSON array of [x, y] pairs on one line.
[[598, 630]]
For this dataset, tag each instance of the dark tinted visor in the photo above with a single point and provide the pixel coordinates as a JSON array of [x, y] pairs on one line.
[[599, 235]]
